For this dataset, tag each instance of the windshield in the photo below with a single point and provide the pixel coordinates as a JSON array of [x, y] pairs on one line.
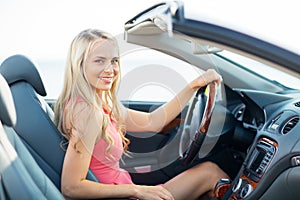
[[270, 73]]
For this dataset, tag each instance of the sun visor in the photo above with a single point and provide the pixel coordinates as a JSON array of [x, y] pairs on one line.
[[156, 19], [156, 24]]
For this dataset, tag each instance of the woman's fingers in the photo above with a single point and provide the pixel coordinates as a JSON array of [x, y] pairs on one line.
[[210, 76], [154, 193]]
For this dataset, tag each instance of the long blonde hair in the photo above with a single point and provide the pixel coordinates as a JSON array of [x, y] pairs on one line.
[[76, 86]]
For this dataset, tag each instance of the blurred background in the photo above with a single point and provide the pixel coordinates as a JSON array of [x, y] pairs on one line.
[[43, 30]]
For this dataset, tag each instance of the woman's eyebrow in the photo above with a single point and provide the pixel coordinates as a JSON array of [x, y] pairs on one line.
[[101, 57]]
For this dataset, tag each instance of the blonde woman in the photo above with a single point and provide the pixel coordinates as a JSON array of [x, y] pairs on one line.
[[94, 123]]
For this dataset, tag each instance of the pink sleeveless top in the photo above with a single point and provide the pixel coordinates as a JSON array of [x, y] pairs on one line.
[[106, 167]]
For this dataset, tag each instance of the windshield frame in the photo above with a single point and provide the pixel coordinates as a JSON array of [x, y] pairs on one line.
[[237, 40]]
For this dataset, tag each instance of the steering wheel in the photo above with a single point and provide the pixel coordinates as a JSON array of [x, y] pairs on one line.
[[197, 122]]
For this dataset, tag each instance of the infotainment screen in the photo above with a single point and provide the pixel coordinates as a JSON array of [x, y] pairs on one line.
[[260, 154], [259, 160]]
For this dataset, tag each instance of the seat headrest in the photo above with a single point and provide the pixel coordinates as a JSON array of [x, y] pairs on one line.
[[7, 108], [19, 68]]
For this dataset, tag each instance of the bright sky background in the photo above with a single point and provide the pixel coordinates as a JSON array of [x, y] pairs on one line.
[[44, 29]]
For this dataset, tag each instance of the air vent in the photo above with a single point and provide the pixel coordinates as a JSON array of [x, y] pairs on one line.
[[289, 125], [239, 112], [297, 104]]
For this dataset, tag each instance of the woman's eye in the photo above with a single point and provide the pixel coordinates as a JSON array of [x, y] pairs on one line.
[[99, 61], [115, 61]]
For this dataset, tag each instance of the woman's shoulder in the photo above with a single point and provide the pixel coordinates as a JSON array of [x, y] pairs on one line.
[[76, 101], [77, 105], [85, 115]]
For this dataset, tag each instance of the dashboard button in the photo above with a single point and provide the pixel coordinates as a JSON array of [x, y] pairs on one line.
[[295, 160], [237, 185], [246, 190]]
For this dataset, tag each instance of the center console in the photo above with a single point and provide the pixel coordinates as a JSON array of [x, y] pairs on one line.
[[257, 164]]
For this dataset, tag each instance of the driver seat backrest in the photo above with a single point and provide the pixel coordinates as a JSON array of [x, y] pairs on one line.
[[21, 177], [34, 125]]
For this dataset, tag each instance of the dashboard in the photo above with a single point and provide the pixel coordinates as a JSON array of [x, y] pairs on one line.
[[276, 146]]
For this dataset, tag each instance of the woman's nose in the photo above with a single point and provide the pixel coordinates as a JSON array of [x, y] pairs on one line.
[[109, 68]]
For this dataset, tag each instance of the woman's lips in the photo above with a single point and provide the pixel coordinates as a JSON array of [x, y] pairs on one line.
[[106, 79]]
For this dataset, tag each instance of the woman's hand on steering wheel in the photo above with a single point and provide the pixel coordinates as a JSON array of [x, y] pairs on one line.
[[208, 77]]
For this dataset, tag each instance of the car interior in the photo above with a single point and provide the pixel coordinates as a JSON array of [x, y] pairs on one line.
[[261, 116], [253, 132]]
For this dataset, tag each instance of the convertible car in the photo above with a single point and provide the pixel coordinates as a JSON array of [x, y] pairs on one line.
[[249, 125]]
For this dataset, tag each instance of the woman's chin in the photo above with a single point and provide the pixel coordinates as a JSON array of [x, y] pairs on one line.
[[106, 87]]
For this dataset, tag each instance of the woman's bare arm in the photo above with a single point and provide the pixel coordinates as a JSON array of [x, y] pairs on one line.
[[137, 121]]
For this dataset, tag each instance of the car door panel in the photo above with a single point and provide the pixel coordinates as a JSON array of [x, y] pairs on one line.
[[143, 160]]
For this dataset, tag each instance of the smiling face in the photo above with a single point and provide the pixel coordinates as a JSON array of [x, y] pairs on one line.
[[102, 65]]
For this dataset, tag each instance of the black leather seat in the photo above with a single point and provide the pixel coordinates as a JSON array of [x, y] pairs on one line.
[[21, 177], [35, 126]]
